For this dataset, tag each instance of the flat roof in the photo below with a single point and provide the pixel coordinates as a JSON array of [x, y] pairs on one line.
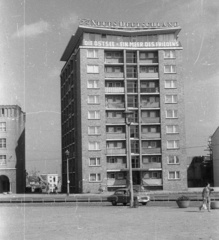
[[112, 31]]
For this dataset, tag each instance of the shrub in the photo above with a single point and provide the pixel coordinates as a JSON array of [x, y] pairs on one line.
[[183, 198]]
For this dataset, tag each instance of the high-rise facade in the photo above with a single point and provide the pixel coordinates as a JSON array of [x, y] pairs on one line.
[[12, 149], [111, 69]]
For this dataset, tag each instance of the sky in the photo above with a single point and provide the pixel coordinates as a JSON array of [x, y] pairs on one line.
[[34, 35]]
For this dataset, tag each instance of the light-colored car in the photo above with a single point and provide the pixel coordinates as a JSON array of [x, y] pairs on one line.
[[123, 196]]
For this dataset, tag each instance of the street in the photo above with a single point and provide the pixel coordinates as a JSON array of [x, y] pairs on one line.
[[88, 221]]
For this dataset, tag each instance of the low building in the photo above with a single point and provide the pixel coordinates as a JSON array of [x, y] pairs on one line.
[[12, 149]]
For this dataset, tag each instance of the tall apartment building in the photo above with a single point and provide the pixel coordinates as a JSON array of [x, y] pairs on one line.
[[111, 68], [12, 149]]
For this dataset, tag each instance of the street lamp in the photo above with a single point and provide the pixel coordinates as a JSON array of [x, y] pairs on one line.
[[128, 115], [67, 154]]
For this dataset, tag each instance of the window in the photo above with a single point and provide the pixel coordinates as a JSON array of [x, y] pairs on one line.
[[94, 162], [111, 175], [92, 69], [171, 113], [2, 159], [95, 177], [172, 129], [93, 146], [2, 142], [172, 160], [2, 126], [93, 130], [111, 160], [169, 54], [93, 84], [174, 175], [94, 99], [172, 144], [171, 99], [93, 114], [170, 83], [170, 69], [92, 53], [118, 144]]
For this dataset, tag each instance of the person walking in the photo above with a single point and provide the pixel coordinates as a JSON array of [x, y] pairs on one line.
[[206, 197]]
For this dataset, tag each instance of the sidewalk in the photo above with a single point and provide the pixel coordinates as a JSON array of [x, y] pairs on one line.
[[193, 194]]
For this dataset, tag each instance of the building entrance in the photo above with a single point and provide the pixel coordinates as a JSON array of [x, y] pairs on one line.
[[4, 184]]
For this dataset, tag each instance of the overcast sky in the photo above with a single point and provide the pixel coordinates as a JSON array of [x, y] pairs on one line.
[[34, 34]]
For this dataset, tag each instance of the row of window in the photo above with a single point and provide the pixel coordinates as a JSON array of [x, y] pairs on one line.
[[95, 99], [172, 175], [95, 114], [131, 71], [171, 159], [95, 145], [95, 130], [96, 84], [93, 53]]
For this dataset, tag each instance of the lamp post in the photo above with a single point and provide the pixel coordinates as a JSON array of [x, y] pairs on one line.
[[67, 154], [129, 114]]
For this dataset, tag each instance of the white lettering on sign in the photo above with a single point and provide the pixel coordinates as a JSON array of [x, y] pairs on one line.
[[131, 44], [121, 24]]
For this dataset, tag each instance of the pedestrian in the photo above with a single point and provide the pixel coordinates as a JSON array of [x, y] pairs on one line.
[[206, 197], [56, 189], [48, 188]]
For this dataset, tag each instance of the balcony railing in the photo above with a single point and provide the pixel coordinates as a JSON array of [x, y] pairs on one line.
[[114, 60], [115, 120], [114, 89], [149, 60], [150, 105], [115, 135], [148, 75], [150, 120], [113, 151], [150, 90], [116, 166], [152, 165], [152, 182], [115, 105], [116, 182], [150, 135], [151, 150], [114, 75]]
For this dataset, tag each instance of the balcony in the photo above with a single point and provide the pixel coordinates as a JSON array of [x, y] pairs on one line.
[[152, 182], [150, 104], [149, 60], [114, 89], [150, 90], [150, 135], [116, 182], [153, 165], [150, 120], [114, 151], [115, 105], [148, 75], [114, 75], [115, 135], [114, 60], [116, 166], [151, 150], [115, 120]]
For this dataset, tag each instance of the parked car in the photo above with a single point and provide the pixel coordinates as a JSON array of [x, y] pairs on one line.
[[123, 196]]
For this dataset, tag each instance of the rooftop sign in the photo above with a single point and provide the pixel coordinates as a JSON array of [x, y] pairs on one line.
[[121, 24]]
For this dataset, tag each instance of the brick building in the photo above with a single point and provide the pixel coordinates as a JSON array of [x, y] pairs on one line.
[[111, 68], [12, 149]]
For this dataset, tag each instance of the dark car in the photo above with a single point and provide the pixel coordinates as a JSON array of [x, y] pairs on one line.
[[123, 196]]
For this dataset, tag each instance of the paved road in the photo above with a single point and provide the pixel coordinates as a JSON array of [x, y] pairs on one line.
[[83, 221]]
